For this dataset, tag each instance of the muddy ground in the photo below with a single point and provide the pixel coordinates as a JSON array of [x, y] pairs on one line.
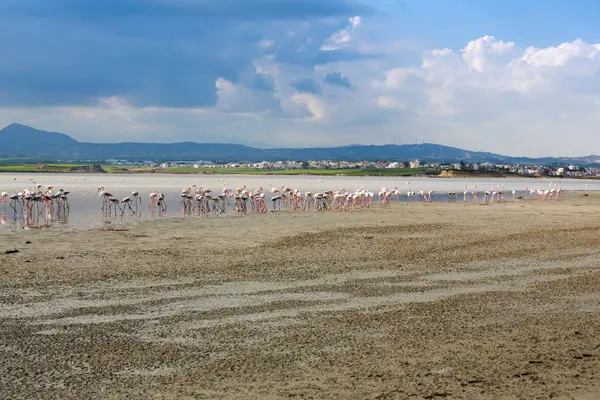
[[406, 301]]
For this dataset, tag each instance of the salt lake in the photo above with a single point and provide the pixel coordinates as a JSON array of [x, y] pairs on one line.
[[85, 204]]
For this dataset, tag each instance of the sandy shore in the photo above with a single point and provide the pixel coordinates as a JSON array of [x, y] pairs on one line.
[[406, 301]]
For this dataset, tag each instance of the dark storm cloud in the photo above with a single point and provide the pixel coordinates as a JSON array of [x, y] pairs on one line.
[[151, 52]]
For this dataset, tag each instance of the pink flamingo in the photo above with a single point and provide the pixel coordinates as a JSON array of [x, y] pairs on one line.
[[370, 199], [337, 200], [152, 198], [429, 194], [486, 197], [288, 196], [383, 196], [116, 204], [3, 197], [261, 206], [133, 199], [559, 194], [105, 197], [161, 203]]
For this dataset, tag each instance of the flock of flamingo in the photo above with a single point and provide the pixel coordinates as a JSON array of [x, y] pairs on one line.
[[44, 203], [203, 201], [37, 205]]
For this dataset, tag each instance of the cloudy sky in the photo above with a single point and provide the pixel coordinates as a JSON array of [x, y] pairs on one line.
[[518, 78]]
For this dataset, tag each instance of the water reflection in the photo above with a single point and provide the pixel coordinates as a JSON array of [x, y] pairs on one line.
[[35, 211], [120, 218]]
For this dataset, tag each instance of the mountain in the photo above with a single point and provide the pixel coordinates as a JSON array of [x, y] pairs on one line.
[[17, 138], [21, 141]]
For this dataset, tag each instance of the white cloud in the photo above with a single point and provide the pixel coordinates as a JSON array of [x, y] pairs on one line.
[[341, 38], [266, 44], [487, 52], [389, 102], [497, 96], [395, 78], [313, 104]]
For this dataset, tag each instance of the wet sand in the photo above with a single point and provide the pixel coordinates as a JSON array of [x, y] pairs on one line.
[[406, 301]]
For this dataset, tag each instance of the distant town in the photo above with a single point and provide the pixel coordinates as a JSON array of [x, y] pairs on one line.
[[569, 171]]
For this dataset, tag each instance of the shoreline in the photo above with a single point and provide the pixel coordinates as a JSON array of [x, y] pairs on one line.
[[399, 302]]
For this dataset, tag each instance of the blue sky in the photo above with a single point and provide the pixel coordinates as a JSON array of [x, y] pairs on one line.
[[519, 78]]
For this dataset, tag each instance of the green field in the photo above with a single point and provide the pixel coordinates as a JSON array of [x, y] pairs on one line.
[[66, 168], [36, 167]]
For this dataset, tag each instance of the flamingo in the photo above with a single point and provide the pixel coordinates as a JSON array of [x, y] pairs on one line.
[[3, 197], [105, 197], [486, 197], [260, 205], [559, 194], [62, 200], [383, 196], [429, 194], [115, 203], [309, 200], [288, 196], [159, 198], [16, 199], [127, 201], [161, 203], [452, 197]]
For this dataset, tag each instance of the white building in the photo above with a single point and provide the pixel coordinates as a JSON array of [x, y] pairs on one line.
[[263, 165], [393, 165], [415, 164]]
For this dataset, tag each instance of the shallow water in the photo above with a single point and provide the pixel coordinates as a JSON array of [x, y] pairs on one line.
[[85, 205]]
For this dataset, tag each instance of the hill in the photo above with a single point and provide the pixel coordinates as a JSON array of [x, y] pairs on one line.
[[21, 141]]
